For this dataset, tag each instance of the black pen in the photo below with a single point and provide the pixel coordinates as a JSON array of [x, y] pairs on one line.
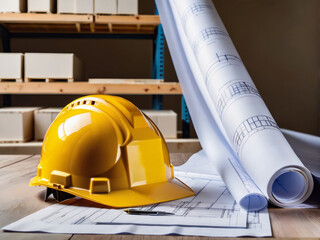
[[145, 212]]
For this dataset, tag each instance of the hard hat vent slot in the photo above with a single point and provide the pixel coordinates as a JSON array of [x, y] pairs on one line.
[[85, 102]]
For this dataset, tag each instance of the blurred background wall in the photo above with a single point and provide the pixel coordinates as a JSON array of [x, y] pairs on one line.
[[278, 40]]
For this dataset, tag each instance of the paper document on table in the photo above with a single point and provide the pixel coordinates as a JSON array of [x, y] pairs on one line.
[[211, 212], [236, 130], [212, 206]]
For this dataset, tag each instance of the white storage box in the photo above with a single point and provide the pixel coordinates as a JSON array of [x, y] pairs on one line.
[[16, 124], [105, 6], [166, 121], [75, 6], [11, 66], [15, 6], [43, 6], [42, 121], [128, 7], [52, 66]]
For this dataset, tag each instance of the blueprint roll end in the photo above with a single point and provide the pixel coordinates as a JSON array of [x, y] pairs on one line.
[[253, 202], [290, 186]]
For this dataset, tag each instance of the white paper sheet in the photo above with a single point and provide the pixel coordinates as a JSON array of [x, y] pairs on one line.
[[209, 131], [232, 122], [212, 206], [211, 212]]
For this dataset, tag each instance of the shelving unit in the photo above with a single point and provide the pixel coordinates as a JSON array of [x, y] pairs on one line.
[[35, 25]]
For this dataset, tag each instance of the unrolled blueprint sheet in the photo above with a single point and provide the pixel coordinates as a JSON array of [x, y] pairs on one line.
[[236, 130], [209, 131], [212, 212]]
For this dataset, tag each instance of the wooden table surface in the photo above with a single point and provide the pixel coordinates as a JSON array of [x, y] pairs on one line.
[[19, 200]]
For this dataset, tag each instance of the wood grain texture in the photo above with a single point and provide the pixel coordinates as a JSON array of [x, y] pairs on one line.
[[44, 18], [6, 160], [170, 88], [19, 200], [292, 223], [79, 23]]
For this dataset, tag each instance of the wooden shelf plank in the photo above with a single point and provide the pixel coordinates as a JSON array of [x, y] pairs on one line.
[[78, 23], [128, 20], [45, 18], [171, 88]]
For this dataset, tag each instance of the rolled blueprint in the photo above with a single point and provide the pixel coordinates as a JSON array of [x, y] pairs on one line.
[[236, 131]]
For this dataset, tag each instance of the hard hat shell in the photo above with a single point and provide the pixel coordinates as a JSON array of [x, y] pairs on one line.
[[103, 148]]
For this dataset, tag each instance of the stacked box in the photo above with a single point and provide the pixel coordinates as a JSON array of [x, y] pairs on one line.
[[16, 124], [42, 121], [75, 6], [52, 66], [166, 121], [43, 6], [105, 6], [16, 6], [11, 66], [128, 7]]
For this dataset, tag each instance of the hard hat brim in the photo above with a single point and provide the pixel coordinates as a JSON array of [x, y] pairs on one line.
[[132, 197]]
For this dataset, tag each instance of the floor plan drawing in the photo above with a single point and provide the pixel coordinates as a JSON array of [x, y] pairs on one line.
[[208, 213]]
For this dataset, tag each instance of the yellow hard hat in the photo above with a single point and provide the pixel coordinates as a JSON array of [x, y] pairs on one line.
[[102, 148]]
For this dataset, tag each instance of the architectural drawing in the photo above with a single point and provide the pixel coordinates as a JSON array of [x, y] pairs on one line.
[[207, 36], [195, 9], [235, 115], [251, 126], [221, 61], [233, 91], [210, 212]]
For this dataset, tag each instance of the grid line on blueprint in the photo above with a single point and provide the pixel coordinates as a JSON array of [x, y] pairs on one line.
[[194, 9], [222, 61], [208, 34], [235, 90], [251, 126]]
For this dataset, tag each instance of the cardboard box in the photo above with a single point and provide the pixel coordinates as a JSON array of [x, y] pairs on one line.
[[166, 121], [43, 6], [105, 6], [42, 121], [16, 124], [52, 66], [75, 6], [128, 7], [15, 6], [11, 66]]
